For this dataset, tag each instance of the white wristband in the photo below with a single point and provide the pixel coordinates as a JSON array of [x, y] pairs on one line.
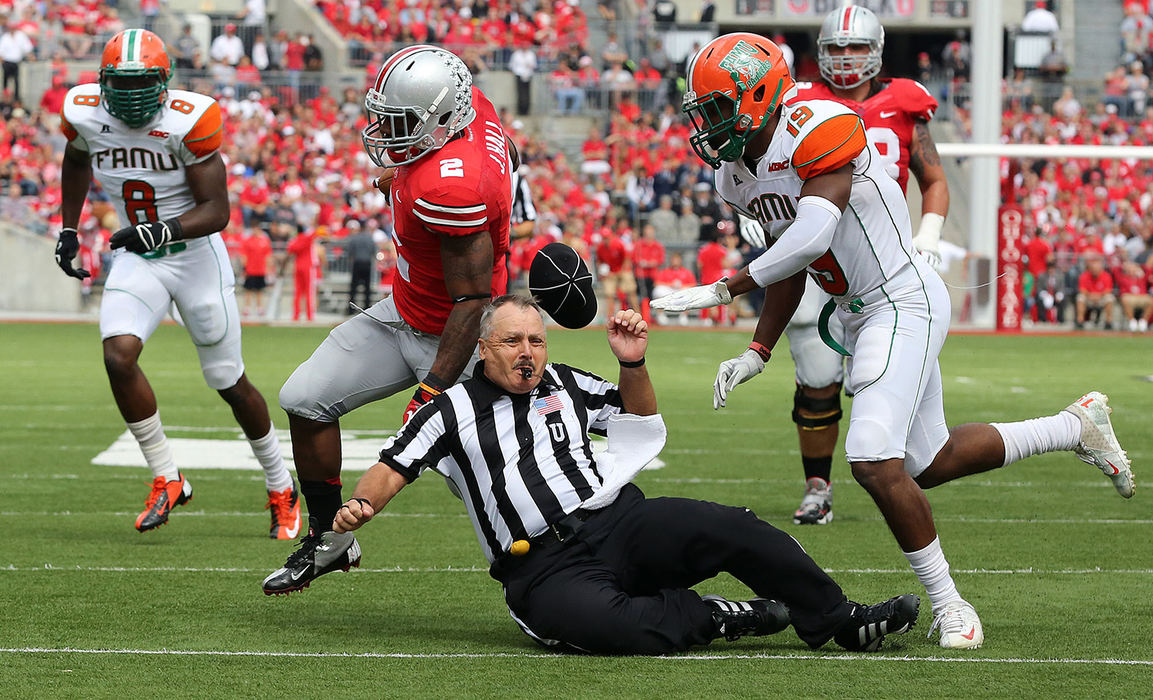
[[931, 225]]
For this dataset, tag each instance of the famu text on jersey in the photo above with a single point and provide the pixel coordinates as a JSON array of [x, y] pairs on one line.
[[134, 158], [772, 206]]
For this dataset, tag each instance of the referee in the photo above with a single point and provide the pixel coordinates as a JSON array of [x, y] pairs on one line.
[[587, 562], [522, 215], [522, 218]]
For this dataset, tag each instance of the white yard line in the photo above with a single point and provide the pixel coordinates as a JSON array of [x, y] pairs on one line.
[[199, 514], [526, 655]]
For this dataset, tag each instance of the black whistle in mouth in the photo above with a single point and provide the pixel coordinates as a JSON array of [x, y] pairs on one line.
[[526, 372]]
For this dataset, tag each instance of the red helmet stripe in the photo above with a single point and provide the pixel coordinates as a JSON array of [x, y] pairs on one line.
[[394, 60], [847, 21]]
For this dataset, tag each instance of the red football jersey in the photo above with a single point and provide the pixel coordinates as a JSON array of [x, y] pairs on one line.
[[462, 189], [889, 118]]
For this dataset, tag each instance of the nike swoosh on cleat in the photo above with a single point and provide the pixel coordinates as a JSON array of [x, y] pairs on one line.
[[295, 576], [293, 532], [972, 631], [1116, 471]]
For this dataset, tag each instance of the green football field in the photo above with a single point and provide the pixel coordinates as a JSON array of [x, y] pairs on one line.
[[1058, 565]]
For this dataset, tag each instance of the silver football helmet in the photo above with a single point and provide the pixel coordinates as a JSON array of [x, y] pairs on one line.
[[850, 26], [422, 97]]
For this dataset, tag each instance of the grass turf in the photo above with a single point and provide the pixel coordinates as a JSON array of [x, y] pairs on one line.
[[1057, 564]]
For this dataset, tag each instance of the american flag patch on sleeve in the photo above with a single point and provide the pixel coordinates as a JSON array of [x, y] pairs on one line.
[[548, 404]]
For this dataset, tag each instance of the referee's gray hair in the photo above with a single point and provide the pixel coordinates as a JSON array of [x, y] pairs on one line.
[[517, 300]]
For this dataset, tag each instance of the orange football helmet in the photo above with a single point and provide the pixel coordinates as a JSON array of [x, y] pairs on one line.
[[735, 84], [134, 74]]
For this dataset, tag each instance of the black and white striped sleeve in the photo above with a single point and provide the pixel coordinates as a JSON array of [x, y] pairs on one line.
[[523, 208], [419, 445], [599, 398]]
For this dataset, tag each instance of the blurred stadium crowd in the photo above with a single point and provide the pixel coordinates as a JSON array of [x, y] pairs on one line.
[[630, 197]]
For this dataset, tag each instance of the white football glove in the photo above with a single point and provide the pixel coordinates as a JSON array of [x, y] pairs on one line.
[[928, 237], [736, 371], [704, 297]]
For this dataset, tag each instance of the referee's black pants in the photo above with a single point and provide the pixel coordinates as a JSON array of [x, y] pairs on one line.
[[621, 584]]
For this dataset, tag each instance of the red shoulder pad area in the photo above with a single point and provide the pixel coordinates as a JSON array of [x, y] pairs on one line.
[[914, 99]]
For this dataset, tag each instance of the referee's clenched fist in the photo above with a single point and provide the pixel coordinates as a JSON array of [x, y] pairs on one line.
[[354, 513]]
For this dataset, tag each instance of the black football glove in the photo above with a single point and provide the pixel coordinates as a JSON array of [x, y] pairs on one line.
[[66, 248], [147, 236]]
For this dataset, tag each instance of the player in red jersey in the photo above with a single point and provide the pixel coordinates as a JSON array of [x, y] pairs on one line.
[[448, 165], [896, 111]]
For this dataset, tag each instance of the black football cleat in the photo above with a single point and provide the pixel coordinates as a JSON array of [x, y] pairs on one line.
[[318, 554], [868, 625], [753, 618]]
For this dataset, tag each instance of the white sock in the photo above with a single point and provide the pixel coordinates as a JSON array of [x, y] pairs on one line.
[[933, 572], [149, 434], [1039, 435], [267, 452]]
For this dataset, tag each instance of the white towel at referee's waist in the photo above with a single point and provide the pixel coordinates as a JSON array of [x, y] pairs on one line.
[[633, 441]]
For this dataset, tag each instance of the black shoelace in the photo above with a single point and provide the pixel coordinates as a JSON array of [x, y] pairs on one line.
[[308, 544]]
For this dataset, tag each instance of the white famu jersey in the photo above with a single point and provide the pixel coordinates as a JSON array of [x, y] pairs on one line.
[[142, 170], [873, 239]]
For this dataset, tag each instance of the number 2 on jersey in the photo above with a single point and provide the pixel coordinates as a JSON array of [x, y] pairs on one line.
[[139, 202], [452, 167]]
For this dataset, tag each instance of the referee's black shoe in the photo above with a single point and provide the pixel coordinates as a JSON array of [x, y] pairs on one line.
[[756, 617], [868, 625], [318, 554]]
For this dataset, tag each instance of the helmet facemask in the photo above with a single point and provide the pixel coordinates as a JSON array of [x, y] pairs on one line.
[[721, 130], [714, 118], [133, 95], [401, 135], [850, 69]]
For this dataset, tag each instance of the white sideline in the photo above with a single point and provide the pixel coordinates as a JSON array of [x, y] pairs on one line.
[[989, 483], [526, 655], [481, 569]]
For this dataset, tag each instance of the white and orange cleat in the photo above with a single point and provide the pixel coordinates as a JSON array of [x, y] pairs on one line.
[[165, 496], [1098, 443], [959, 626], [284, 507]]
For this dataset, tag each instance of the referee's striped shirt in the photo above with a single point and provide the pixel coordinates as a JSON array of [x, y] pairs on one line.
[[521, 462], [522, 207]]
